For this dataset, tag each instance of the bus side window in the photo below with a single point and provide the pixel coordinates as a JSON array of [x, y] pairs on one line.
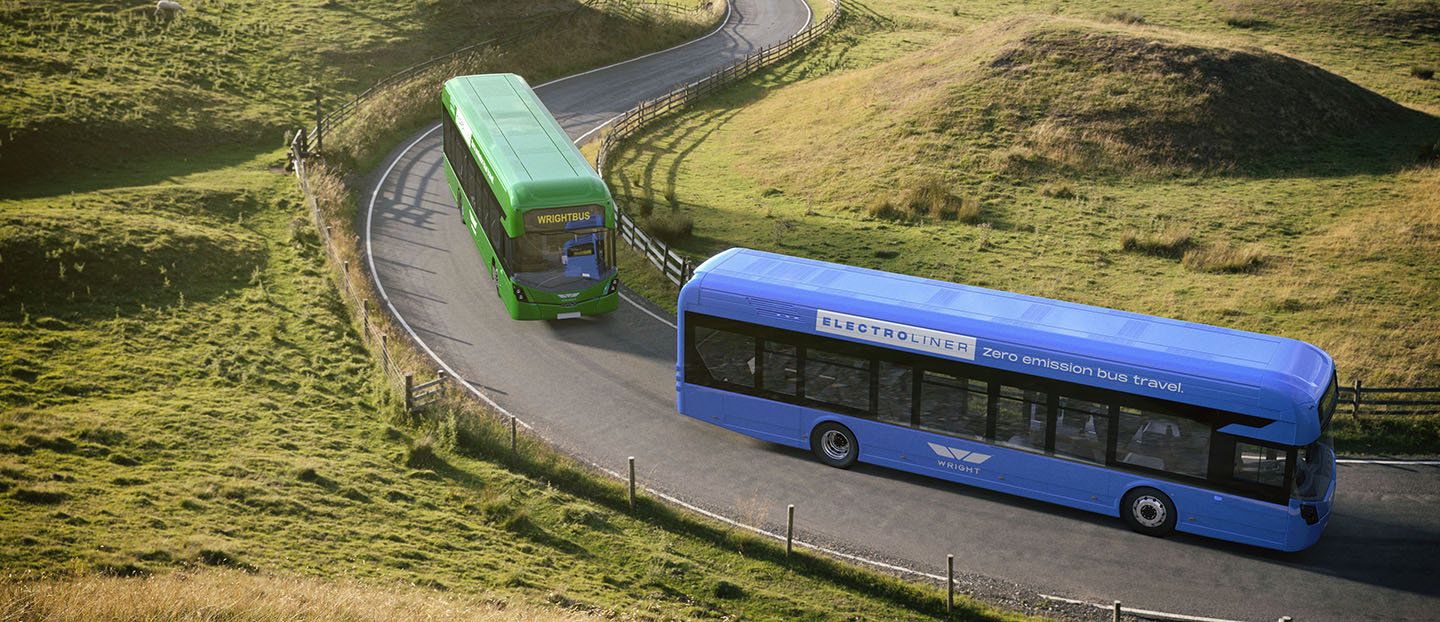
[[780, 368], [897, 384], [1020, 419], [727, 357], [1259, 464], [951, 405], [1081, 430], [839, 379], [1163, 441]]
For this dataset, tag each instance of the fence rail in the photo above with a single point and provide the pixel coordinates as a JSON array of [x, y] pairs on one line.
[[1356, 398], [675, 267]]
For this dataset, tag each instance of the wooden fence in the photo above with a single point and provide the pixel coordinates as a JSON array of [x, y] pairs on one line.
[[675, 267], [1389, 400], [370, 331]]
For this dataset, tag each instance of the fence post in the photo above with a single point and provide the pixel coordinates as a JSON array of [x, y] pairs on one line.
[[319, 133], [512, 436], [1355, 401], [949, 583], [1115, 613], [632, 483], [365, 325], [789, 529], [409, 385]]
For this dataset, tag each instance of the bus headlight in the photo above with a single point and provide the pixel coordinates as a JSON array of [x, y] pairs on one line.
[[520, 294], [614, 283], [1310, 514]]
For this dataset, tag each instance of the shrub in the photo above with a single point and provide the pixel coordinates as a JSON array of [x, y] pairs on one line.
[[1225, 258], [930, 200], [1430, 152], [727, 590], [933, 199], [645, 207], [1245, 20], [39, 497], [124, 460], [1125, 17], [1061, 191], [1424, 73], [671, 228], [1171, 241], [421, 455], [883, 209]]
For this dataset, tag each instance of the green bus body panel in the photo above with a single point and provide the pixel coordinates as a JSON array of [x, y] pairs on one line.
[[546, 305], [528, 159]]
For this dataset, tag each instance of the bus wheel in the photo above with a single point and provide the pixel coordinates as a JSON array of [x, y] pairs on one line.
[[834, 444], [1149, 511]]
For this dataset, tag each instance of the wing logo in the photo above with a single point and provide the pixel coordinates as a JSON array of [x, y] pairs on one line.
[[958, 454]]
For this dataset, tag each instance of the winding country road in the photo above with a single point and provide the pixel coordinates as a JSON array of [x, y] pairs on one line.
[[603, 389]]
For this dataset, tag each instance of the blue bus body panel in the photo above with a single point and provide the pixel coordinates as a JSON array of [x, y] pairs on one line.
[[1033, 476], [1273, 378]]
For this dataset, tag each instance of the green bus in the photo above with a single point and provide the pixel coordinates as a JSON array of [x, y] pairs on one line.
[[543, 220]]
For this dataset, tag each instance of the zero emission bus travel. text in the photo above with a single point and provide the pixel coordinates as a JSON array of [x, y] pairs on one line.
[[1169, 425], [542, 219]]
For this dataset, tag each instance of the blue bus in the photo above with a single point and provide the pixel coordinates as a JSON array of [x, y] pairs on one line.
[[1169, 425]]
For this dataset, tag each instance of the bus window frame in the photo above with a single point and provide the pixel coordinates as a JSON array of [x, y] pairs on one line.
[[1219, 468]]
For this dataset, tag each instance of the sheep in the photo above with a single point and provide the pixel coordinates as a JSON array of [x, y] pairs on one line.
[[167, 7]]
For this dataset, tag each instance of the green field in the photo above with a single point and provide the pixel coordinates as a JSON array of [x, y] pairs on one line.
[[183, 389], [1262, 166]]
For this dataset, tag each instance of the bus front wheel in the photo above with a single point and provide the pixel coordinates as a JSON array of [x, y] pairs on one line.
[[1149, 511], [835, 445]]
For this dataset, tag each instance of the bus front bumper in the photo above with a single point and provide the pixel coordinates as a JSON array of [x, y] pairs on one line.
[[547, 311]]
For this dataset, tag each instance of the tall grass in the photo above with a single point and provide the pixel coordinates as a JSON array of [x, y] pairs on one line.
[[1170, 240], [928, 201], [231, 596], [1225, 258]]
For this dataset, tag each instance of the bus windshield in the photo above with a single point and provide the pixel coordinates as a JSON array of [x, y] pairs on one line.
[[1315, 470], [561, 260]]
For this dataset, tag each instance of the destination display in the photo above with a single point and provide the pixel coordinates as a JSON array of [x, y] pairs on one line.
[[564, 218]]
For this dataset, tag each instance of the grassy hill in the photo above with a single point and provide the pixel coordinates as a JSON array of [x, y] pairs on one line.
[[94, 83], [1252, 166], [181, 388]]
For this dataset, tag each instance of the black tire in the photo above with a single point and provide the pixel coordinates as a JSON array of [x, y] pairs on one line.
[[835, 445], [1149, 511]]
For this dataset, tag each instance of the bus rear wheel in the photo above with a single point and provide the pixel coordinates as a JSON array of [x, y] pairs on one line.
[[1149, 511], [834, 444]]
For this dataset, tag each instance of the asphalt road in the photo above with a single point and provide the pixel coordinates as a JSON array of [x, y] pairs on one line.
[[604, 388]]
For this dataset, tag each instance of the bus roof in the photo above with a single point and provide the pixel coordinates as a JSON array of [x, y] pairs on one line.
[[1274, 378], [529, 160]]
